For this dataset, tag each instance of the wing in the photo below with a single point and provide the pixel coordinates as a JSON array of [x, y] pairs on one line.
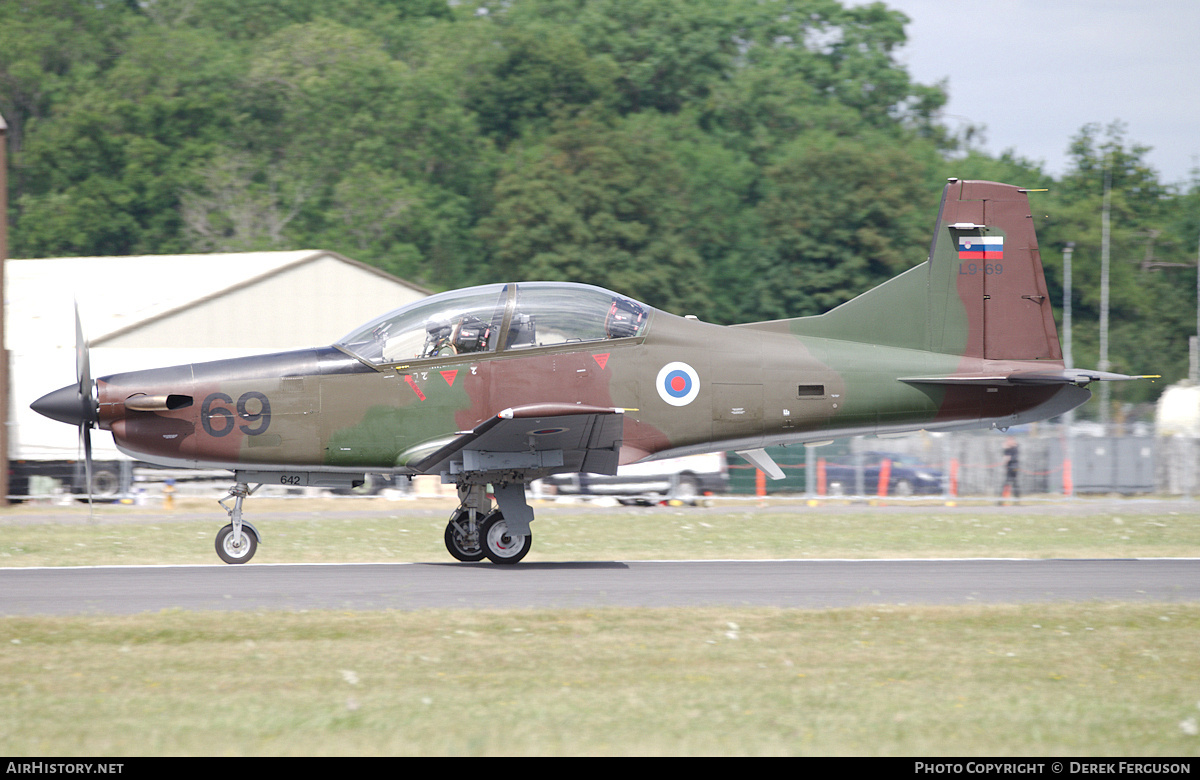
[[532, 440]]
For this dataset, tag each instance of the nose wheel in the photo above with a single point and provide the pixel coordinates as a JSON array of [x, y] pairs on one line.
[[236, 548]]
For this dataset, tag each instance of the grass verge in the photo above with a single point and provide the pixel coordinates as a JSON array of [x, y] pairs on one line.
[[305, 531], [1046, 680]]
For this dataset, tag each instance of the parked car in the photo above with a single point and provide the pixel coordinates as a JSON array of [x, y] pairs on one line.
[[685, 479], [908, 477]]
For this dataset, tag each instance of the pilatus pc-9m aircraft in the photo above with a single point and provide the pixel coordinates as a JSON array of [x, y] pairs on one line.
[[498, 385]]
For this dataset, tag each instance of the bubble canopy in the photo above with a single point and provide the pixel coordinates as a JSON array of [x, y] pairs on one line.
[[497, 317]]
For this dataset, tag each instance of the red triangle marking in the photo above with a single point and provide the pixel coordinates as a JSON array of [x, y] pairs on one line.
[[602, 359], [449, 376]]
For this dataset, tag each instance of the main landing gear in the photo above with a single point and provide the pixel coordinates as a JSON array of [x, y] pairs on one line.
[[476, 531]]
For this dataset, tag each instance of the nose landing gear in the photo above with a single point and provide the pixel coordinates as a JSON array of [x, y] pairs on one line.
[[238, 541]]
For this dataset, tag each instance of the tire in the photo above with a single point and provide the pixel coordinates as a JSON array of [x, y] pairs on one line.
[[457, 544], [903, 489], [230, 554], [498, 545], [106, 483], [687, 490]]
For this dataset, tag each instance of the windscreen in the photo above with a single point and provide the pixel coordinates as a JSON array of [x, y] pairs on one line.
[[471, 321], [447, 324]]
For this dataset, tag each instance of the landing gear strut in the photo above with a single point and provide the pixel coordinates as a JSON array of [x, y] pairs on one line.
[[238, 541], [462, 532]]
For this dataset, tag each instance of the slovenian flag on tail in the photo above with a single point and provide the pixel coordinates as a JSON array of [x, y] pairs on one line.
[[981, 247]]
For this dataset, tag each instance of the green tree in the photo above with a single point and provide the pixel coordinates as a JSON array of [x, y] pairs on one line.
[[599, 205], [533, 75], [815, 64], [397, 148], [1150, 311], [666, 55], [47, 49], [236, 206], [842, 215], [104, 171]]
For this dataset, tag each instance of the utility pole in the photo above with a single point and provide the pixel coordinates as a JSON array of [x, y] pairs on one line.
[[1068, 362], [1068, 358], [1105, 391], [3, 348], [1194, 363]]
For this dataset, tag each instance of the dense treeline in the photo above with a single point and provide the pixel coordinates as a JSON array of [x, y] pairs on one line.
[[734, 159]]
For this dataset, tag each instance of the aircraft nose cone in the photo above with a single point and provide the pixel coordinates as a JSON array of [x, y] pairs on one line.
[[65, 404]]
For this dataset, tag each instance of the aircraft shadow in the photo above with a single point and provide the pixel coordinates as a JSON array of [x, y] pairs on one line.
[[543, 566]]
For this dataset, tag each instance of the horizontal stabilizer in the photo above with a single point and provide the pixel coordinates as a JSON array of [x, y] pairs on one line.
[[1067, 376]]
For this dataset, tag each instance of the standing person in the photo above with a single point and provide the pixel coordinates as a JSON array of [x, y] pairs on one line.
[[1011, 462]]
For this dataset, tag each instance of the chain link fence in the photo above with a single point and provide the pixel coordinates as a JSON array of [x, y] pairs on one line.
[[1049, 462]]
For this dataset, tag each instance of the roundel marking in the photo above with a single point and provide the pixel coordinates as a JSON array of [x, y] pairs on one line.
[[678, 384]]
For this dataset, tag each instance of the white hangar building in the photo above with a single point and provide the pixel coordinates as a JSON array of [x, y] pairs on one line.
[[161, 310]]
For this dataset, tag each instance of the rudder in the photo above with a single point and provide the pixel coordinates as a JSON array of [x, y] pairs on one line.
[[985, 277]]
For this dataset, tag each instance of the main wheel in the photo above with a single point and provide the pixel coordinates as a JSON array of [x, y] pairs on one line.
[[498, 544], [461, 545], [232, 551]]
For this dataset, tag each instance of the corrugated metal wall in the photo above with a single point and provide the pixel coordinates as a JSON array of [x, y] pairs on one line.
[[308, 305]]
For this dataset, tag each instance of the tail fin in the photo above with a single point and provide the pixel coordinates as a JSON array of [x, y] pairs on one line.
[[981, 293]]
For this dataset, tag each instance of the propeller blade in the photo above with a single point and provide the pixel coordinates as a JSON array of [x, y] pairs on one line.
[[85, 437], [83, 369], [87, 395]]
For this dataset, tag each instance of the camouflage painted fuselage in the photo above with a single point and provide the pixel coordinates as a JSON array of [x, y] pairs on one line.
[[965, 339], [324, 409]]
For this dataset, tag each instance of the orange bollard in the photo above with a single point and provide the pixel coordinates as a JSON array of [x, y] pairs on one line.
[[760, 483], [954, 478], [885, 476], [820, 476], [1068, 481]]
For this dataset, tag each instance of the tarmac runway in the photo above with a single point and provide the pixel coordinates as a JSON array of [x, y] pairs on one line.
[[788, 583]]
